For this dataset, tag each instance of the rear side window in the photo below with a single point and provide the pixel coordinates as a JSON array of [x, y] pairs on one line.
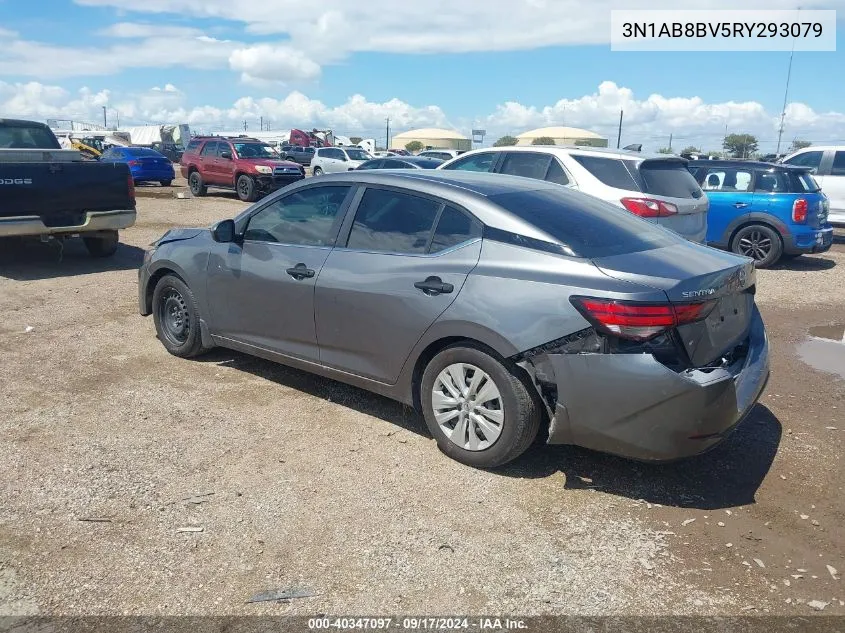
[[668, 178], [525, 164], [193, 146], [838, 164], [209, 149], [585, 226], [772, 182], [454, 227], [726, 179], [476, 162], [393, 222], [556, 173], [609, 171], [807, 159]]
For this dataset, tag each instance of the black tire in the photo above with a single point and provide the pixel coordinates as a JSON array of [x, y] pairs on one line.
[[521, 409], [104, 244], [760, 242], [245, 187], [317, 171], [195, 183], [166, 183], [177, 317]]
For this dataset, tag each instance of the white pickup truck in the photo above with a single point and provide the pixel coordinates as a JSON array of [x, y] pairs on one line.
[[828, 161]]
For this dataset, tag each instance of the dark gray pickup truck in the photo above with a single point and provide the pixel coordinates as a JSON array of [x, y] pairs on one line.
[[52, 193]]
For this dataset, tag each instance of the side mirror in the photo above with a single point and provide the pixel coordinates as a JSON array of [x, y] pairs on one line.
[[226, 155], [224, 231], [814, 171]]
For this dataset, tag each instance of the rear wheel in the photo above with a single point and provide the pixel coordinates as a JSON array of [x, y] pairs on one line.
[[196, 184], [318, 171], [759, 242], [477, 407], [246, 189], [102, 244], [176, 317]]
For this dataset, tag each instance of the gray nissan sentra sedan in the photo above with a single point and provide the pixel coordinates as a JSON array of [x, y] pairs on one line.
[[496, 305]]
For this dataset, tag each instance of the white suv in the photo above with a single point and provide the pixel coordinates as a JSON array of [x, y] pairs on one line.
[[331, 160], [828, 163], [656, 187], [441, 154]]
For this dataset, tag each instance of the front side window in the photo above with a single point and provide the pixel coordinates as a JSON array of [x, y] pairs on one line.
[[223, 147], [525, 164], [476, 162], [371, 164], [304, 218], [209, 149], [807, 159], [393, 222]]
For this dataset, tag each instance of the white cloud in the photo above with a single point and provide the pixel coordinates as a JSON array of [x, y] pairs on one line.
[[649, 120], [141, 30], [266, 63]]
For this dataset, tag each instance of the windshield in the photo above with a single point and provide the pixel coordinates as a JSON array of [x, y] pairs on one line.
[[357, 154], [255, 150]]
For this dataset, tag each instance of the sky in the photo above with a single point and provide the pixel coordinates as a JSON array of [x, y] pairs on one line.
[[506, 66]]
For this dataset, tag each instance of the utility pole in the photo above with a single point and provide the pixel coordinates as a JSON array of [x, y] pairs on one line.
[[262, 123], [619, 136], [105, 123], [785, 96], [670, 143], [245, 126], [387, 134]]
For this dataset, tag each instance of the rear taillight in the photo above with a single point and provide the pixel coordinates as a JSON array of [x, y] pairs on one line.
[[649, 208], [799, 210], [639, 321], [133, 163], [131, 182]]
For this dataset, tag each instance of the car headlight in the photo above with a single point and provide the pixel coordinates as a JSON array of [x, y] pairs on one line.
[[263, 169]]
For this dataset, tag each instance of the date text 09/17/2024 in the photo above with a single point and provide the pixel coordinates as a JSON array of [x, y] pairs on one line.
[[417, 624]]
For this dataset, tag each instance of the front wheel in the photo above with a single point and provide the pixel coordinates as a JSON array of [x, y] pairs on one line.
[[477, 407], [176, 317], [759, 242], [246, 189], [103, 244], [318, 171], [196, 184]]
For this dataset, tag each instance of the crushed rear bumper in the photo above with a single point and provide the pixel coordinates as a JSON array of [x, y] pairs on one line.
[[91, 221], [632, 405]]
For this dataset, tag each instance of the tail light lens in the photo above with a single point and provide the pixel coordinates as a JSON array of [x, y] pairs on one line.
[[131, 184], [639, 321], [649, 208], [133, 163], [799, 210]]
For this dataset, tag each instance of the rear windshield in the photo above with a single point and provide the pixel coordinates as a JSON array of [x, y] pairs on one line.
[[25, 137], [141, 151], [587, 226], [668, 178]]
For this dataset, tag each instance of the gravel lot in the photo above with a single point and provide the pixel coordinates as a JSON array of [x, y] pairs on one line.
[[298, 481]]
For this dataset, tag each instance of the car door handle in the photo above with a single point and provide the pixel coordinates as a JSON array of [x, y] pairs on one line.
[[740, 205], [300, 272], [434, 286]]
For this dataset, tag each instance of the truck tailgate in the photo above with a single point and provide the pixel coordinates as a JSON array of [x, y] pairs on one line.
[[62, 192]]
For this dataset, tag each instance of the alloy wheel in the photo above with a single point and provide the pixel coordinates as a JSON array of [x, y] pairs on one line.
[[755, 244], [468, 406]]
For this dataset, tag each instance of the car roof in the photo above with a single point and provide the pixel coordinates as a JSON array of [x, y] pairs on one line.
[[750, 164], [22, 123], [414, 159], [810, 148], [581, 150]]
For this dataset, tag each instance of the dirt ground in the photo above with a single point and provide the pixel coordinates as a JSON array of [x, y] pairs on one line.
[[110, 446]]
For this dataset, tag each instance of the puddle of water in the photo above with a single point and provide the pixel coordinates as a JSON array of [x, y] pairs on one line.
[[832, 332], [825, 349]]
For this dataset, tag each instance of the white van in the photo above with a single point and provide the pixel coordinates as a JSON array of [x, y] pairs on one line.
[[829, 164]]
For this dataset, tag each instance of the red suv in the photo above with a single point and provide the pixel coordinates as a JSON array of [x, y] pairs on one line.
[[250, 167]]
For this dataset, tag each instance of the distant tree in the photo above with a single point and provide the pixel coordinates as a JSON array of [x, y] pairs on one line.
[[414, 146], [505, 141], [740, 145], [798, 144], [543, 140], [355, 139], [691, 149], [664, 150]]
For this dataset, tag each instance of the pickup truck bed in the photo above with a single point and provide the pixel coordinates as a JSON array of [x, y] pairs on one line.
[[50, 193]]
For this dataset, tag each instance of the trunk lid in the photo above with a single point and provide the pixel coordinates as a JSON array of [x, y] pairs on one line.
[[689, 273]]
